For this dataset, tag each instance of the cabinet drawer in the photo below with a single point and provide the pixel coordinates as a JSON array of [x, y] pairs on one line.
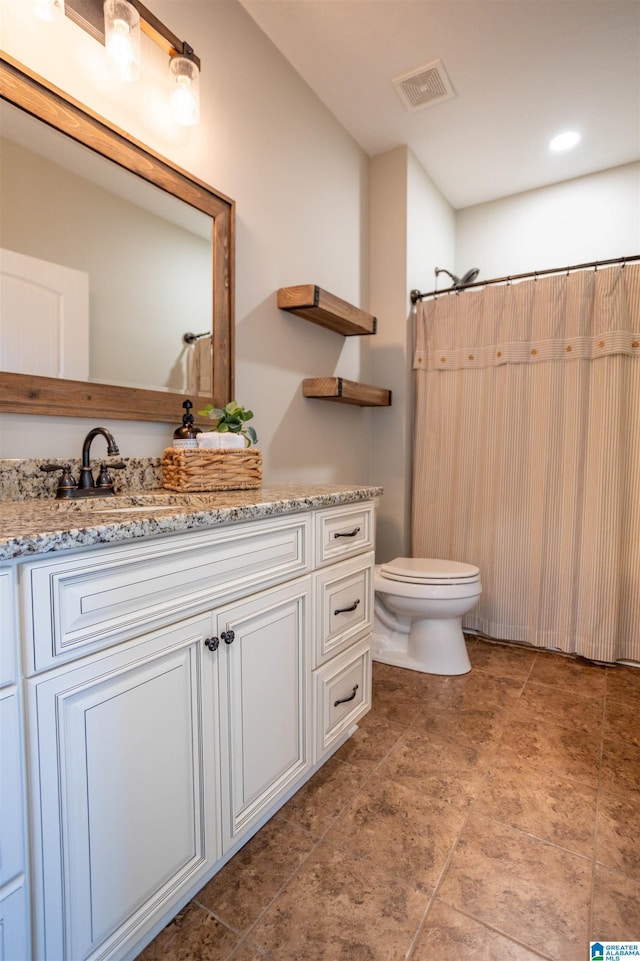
[[342, 695], [344, 604], [344, 531], [83, 602]]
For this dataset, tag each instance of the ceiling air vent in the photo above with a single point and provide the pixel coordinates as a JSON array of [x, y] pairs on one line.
[[424, 87]]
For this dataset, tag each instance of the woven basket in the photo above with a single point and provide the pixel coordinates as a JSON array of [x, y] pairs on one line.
[[211, 470]]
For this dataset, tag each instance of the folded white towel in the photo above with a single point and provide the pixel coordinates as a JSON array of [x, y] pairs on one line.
[[215, 440]]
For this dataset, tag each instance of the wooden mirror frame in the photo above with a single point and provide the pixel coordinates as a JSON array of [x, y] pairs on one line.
[[27, 394]]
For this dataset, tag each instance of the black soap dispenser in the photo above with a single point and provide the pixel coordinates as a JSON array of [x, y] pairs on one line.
[[185, 435]]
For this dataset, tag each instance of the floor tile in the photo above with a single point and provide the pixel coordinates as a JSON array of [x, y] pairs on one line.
[[616, 907], [371, 742], [623, 683], [249, 881], [400, 832], [248, 952], [548, 805], [475, 689], [448, 935], [193, 935], [620, 766], [618, 837], [506, 660], [571, 753], [578, 675], [529, 890], [622, 720], [338, 909], [395, 697], [562, 706], [472, 724], [319, 802], [436, 767]]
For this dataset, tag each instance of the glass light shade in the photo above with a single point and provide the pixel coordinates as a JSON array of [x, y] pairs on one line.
[[184, 100], [49, 10], [565, 141], [122, 38]]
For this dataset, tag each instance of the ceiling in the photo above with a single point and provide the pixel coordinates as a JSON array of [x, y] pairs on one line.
[[522, 71]]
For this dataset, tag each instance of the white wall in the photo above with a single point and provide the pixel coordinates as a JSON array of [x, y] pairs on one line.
[[301, 188], [412, 231], [590, 218]]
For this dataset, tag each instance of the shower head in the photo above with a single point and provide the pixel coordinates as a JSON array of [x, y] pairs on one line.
[[459, 282]]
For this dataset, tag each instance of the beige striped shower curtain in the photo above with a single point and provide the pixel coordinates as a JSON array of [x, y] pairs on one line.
[[527, 455]]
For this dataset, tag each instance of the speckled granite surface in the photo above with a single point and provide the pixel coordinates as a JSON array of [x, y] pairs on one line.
[[38, 525]]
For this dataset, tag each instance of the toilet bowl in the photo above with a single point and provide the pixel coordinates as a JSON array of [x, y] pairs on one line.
[[419, 606]]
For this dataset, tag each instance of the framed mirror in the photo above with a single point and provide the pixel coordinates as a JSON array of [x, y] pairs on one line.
[[125, 365]]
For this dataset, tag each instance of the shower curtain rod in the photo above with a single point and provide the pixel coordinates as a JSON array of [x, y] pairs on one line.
[[416, 295]]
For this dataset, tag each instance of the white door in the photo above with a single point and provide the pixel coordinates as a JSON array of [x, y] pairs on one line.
[[124, 771], [264, 691], [44, 318]]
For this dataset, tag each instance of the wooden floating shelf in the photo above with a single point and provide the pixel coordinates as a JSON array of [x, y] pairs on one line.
[[346, 392], [318, 306]]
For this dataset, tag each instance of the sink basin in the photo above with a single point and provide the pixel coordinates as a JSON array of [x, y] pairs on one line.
[[141, 501]]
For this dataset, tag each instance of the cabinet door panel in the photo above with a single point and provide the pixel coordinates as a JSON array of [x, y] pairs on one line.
[[8, 662], [11, 799], [124, 791], [265, 694], [14, 923]]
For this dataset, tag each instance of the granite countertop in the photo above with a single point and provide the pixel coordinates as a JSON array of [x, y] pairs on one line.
[[39, 525]]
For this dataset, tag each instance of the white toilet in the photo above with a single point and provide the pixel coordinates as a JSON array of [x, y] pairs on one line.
[[419, 606]]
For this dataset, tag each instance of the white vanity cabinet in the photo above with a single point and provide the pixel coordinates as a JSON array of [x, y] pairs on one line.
[[178, 691], [14, 925]]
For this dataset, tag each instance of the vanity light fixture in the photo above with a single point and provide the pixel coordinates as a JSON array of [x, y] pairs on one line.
[[122, 38], [184, 100], [118, 24], [49, 10]]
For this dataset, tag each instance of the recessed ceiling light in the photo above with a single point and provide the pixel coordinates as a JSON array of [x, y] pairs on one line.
[[565, 141]]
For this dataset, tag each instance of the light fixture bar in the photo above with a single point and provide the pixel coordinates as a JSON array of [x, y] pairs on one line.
[[89, 15]]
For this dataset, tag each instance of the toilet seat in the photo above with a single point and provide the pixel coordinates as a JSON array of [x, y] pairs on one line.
[[427, 570]]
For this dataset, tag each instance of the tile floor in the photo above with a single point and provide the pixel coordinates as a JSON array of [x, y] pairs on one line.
[[490, 816]]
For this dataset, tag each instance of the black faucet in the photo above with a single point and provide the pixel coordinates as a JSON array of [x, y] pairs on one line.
[[86, 486], [86, 481]]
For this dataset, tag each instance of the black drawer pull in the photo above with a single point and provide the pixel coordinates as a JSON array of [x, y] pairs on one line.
[[356, 530], [343, 700], [347, 610]]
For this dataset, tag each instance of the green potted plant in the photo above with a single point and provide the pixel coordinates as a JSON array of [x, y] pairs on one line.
[[231, 419]]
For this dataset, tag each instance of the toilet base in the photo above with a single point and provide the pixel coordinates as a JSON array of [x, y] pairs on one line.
[[431, 647]]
